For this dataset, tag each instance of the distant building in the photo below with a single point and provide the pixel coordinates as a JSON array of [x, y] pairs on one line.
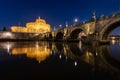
[[39, 26]]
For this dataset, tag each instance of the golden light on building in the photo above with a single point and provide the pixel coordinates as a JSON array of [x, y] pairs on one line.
[[39, 53], [39, 26]]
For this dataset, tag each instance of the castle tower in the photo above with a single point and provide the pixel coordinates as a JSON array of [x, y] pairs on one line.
[[39, 26]]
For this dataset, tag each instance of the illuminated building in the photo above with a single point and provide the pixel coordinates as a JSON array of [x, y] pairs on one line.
[[39, 26]]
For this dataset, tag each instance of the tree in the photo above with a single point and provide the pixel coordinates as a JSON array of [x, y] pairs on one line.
[[4, 28]]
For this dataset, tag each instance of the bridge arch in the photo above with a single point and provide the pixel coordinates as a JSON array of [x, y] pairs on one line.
[[110, 26], [75, 33], [50, 35], [59, 36]]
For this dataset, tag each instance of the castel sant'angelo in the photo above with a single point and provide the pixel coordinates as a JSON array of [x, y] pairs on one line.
[[39, 26]]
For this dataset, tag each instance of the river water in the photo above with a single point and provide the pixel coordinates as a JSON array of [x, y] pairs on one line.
[[57, 60]]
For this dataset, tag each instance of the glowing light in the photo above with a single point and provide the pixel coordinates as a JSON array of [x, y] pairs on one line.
[[8, 47], [113, 38], [54, 28], [51, 52], [96, 53], [60, 25], [80, 44], [75, 20], [39, 61], [36, 34], [75, 63], [113, 41], [66, 24], [60, 56], [37, 46], [8, 34]]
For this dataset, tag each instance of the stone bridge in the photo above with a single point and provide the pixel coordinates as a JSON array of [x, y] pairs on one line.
[[71, 33], [93, 30]]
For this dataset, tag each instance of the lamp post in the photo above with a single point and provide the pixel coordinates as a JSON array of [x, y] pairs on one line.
[[60, 26], [75, 21], [54, 28], [66, 24]]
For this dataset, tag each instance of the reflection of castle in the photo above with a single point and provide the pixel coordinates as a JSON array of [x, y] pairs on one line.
[[39, 53], [39, 26]]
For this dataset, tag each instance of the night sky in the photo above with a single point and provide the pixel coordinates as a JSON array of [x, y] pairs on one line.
[[55, 12]]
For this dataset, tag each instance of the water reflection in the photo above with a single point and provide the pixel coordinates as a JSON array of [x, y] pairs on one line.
[[38, 51], [113, 42], [75, 63], [100, 56], [41, 50], [108, 62]]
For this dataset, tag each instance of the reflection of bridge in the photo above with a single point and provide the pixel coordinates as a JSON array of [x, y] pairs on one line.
[[98, 56], [95, 29], [114, 37]]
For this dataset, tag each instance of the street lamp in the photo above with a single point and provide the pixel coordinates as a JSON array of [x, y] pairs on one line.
[[60, 25], [54, 28], [66, 24], [75, 21]]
